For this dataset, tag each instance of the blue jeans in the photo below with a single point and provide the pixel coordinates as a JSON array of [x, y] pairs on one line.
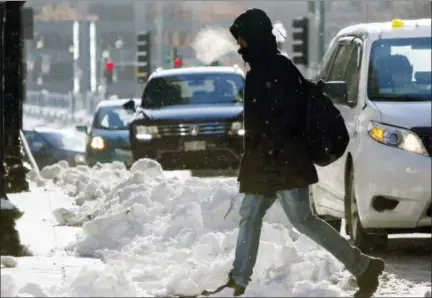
[[296, 205]]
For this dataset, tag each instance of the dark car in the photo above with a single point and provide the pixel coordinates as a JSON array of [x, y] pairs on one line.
[[49, 146], [190, 118], [108, 136]]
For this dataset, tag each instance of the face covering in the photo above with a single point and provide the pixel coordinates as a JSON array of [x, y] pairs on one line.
[[256, 51], [245, 53]]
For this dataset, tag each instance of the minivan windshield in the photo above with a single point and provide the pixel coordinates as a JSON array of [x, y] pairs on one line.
[[193, 88], [400, 70]]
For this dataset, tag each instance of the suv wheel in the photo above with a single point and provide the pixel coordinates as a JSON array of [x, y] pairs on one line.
[[334, 222], [359, 237]]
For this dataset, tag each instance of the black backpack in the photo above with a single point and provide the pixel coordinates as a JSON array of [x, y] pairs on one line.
[[325, 132]]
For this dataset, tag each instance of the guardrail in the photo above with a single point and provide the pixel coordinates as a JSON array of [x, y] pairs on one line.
[[68, 108]]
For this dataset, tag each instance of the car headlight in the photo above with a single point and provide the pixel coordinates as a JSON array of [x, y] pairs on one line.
[[97, 143], [396, 137], [79, 159], [237, 128], [145, 132]]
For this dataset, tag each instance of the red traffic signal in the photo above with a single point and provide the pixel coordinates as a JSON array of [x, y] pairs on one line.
[[178, 62], [109, 65], [109, 69]]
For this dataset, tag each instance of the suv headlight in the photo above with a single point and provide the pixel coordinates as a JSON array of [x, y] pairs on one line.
[[396, 137], [237, 128], [143, 132]]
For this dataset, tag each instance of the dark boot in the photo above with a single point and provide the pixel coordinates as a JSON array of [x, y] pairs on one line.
[[368, 282], [238, 289]]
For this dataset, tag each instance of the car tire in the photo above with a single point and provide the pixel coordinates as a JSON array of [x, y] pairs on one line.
[[214, 173], [334, 222], [366, 242]]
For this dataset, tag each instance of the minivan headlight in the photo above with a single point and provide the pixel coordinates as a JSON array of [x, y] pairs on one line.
[[97, 143], [396, 137], [237, 128]]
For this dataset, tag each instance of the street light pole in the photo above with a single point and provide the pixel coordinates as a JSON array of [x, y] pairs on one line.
[[160, 30], [2, 106], [321, 29]]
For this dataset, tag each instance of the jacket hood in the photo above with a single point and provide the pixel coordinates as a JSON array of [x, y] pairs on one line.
[[255, 27]]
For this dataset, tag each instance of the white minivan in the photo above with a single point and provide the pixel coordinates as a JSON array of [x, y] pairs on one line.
[[381, 77]]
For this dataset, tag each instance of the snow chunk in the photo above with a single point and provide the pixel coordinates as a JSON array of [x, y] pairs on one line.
[[8, 261], [8, 285], [6, 205]]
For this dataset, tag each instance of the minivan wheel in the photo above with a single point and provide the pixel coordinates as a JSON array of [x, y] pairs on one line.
[[334, 222], [359, 237]]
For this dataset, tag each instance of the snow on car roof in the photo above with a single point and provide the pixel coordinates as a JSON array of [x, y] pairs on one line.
[[388, 29], [197, 70]]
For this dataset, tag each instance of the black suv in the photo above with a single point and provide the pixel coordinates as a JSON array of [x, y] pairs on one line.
[[190, 118]]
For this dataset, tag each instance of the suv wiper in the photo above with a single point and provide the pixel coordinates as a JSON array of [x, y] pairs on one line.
[[399, 97]]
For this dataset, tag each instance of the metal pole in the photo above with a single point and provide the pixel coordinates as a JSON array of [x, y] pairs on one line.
[[160, 30], [321, 30], [76, 54], [2, 106], [93, 58], [313, 37]]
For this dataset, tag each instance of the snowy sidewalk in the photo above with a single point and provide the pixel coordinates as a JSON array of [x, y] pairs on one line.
[[38, 231]]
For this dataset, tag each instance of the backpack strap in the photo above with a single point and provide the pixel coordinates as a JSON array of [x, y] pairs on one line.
[[307, 85]]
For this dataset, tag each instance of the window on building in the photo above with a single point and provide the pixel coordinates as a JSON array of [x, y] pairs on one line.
[[113, 11], [56, 41], [126, 73], [61, 71]]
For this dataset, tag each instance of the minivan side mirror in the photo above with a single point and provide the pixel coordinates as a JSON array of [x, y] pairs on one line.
[[337, 91], [82, 128], [130, 106]]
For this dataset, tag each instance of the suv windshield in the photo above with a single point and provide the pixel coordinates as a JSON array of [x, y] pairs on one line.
[[200, 88], [112, 118], [400, 70]]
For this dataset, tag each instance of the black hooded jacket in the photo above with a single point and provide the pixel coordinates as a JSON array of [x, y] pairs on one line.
[[274, 155]]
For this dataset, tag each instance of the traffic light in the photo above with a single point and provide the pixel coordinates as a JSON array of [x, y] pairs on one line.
[[109, 72], [301, 41], [178, 62], [143, 56]]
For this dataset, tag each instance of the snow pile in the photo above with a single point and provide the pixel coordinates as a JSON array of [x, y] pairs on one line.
[[6, 205], [159, 236], [9, 288], [8, 261]]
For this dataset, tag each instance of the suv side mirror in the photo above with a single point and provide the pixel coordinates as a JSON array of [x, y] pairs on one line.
[[130, 106], [82, 128], [337, 91]]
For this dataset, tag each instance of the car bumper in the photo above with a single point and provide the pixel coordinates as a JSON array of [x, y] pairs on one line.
[[220, 152], [385, 174], [109, 156]]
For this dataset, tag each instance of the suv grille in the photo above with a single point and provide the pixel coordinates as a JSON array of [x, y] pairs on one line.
[[425, 134], [194, 129]]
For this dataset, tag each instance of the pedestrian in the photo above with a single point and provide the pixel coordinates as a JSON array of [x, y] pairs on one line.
[[275, 164]]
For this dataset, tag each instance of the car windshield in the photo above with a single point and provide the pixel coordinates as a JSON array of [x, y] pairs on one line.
[[400, 70], [64, 141], [194, 89], [112, 118]]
